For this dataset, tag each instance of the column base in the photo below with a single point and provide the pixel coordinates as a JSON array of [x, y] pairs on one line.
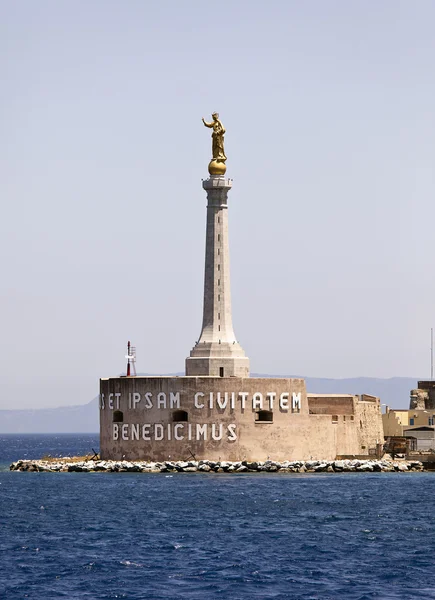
[[207, 366]]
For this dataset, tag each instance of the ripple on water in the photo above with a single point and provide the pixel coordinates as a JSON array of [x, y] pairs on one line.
[[202, 537]]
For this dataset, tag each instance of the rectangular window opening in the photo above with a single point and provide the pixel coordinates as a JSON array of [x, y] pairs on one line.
[[335, 418], [221, 371], [264, 416]]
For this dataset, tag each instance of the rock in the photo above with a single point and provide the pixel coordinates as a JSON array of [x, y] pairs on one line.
[[252, 466], [242, 468], [330, 469], [204, 467], [310, 464], [135, 468], [364, 467], [75, 468], [296, 464], [320, 467], [402, 467], [416, 464], [191, 469], [339, 465]]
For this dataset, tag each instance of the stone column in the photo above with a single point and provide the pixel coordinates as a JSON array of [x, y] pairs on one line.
[[217, 352]]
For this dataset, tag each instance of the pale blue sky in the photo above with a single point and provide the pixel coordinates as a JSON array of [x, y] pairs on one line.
[[329, 108]]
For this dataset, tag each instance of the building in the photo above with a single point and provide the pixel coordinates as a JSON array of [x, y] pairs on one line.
[[417, 423], [423, 397], [217, 411]]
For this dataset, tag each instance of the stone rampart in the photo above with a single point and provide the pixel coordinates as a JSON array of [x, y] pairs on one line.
[[222, 418]]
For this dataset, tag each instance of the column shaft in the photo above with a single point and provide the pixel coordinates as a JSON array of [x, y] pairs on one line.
[[217, 352]]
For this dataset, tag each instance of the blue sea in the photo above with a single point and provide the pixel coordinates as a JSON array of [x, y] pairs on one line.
[[201, 536]]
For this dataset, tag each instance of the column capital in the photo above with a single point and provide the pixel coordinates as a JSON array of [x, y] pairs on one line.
[[217, 181]]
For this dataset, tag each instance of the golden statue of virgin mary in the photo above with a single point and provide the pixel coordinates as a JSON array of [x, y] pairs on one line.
[[217, 164]]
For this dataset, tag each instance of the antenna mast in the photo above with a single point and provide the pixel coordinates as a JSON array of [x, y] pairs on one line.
[[131, 359], [431, 352]]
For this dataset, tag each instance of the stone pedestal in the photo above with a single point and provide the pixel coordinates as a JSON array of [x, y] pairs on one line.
[[217, 352]]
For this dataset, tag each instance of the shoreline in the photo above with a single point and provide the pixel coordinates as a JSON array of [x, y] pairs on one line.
[[78, 465]]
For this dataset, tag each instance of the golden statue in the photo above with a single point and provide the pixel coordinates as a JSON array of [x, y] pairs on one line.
[[217, 163]]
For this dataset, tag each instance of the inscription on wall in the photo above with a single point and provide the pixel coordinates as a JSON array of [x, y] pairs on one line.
[[201, 401]]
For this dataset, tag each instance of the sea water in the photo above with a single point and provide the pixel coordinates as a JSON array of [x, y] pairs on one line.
[[205, 536]]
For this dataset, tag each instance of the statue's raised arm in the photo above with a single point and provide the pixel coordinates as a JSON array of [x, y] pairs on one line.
[[207, 124]]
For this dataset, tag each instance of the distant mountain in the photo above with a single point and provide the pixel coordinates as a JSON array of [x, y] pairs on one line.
[[83, 418]]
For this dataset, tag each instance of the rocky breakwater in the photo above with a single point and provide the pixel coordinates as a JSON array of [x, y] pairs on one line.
[[209, 466]]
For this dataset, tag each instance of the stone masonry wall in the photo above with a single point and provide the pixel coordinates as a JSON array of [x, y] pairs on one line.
[[368, 420], [139, 420], [330, 405]]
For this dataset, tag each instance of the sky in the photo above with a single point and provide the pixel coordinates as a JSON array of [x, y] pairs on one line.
[[329, 107]]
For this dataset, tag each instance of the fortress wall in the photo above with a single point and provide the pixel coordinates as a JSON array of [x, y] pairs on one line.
[[368, 420], [222, 420], [328, 404]]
